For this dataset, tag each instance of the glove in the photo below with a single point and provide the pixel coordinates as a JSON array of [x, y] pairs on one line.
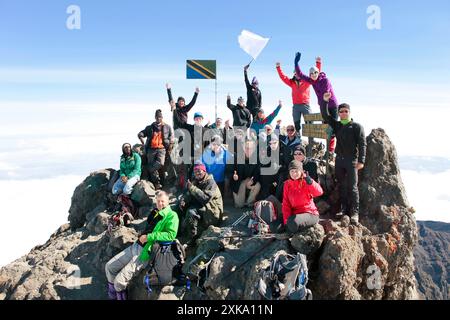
[[308, 180], [298, 55]]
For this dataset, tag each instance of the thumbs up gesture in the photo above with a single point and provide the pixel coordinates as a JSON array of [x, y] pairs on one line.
[[235, 176]]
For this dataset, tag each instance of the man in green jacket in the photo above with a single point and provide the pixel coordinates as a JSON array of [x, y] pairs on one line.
[[130, 171], [162, 226]]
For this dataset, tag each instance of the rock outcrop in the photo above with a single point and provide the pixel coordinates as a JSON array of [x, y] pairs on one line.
[[370, 260]]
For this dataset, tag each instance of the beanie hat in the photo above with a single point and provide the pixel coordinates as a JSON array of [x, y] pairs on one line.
[[240, 99], [158, 114], [313, 70], [255, 81], [181, 98], [300, 148], [200, 166], [297, 165], [344, 106], [198, 115]]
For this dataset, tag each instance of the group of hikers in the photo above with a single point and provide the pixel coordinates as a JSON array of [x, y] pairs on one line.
[[248, 159]]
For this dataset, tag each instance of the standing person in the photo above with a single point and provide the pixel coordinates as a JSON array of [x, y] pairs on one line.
[[321, 85], [253, 93], [300, 95], [270, 170], [179, 108], [241, 115], [202, 203], [216, 159], [260, 120], [158, 145], [299, 210], [278, 127], [350, 156], [130, 171], [217, 129], [162, 225], [246, 176]]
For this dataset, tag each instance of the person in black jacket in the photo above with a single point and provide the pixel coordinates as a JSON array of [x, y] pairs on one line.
[[253, 94], [241, 115], [157, 147], [350, 156], [246, 176], [179, 108]]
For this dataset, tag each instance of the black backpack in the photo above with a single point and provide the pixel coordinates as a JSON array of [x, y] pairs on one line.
[[285, 278], [165, 265]]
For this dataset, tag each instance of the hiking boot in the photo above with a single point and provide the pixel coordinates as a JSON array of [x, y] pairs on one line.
[[122, 295], [354, 218], [112, 293]]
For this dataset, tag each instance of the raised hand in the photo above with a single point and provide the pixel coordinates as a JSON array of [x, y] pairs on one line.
[[246, 67], [298, 55], [168, 86], [197, 90], [326, 96], [280, 103], [278, 64], [318, 59]]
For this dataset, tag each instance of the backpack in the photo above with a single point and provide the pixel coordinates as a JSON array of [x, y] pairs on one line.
[[285, 278], [165, 265], [264, 218], [124, 216]]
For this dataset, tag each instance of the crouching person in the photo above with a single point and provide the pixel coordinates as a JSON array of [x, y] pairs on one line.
[[202, 204], [299, 210], [162, 225], [130, 171]]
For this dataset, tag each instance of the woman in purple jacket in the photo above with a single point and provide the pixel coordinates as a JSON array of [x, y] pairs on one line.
[[321, 85]]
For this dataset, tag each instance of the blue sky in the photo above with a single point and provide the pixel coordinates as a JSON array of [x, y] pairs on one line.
[[147, 38], [70, 98]]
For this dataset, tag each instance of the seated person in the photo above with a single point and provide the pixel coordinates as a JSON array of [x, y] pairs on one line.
[[310, 166], [130, 171], [162, 226], [246, 176], [299, 210], [201, 204], [270, 168]]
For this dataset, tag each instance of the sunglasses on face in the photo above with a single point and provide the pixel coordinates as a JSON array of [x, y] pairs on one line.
[[290, 130], [298, 154]]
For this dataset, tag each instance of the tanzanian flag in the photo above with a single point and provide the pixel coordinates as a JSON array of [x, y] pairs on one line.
[[201, 69]]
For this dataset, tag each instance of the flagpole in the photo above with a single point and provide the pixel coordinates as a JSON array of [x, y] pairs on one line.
[[215, 82]]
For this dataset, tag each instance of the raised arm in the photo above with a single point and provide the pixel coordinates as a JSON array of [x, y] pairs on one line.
[[282, 76], [298, 72], [169, 94], [229, 105], [194, 99], [274, 114], [319, 63], [325, 112], [247, 83]]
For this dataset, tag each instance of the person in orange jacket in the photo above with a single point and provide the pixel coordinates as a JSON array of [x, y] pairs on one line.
[[300, 94], [298, 208]]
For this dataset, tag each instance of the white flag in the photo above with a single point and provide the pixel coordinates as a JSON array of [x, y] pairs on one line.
[[252, 43]]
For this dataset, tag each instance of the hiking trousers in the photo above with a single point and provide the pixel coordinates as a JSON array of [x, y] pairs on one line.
[[297, 111], [125, 188], [347, 178], [156, 159], [124, 266], [240, 199], [301, 221]]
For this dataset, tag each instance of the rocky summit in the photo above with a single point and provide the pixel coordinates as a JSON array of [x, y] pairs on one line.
[[370, 260]]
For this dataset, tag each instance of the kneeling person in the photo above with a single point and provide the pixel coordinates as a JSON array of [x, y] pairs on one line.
[[202, 204], [162, 226]]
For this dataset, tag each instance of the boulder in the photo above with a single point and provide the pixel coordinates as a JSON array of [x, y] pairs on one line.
[[143, 193], [308, 241]]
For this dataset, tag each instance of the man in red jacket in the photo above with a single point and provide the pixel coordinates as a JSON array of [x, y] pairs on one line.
[[300, 95], [299, 210]]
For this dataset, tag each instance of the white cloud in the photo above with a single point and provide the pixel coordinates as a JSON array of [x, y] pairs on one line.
[[31, 211]]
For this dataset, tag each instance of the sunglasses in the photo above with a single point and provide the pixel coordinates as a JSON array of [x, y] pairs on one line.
[[290, 130], [298, 154], [343, 111]]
